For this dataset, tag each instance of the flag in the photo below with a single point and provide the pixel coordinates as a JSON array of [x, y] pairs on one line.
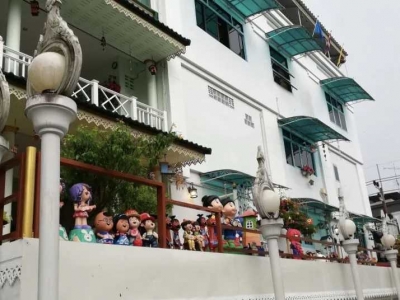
[[318, 30], [339, 61], [328, 45]]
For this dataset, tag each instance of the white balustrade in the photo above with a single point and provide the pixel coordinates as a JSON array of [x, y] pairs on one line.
[[15, 62]]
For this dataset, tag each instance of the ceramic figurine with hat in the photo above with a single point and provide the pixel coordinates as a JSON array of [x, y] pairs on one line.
[[81, 196], [203, 230], [103, 224], [61, 230], [121, 228], [212, 202], [134, 235], [229, 212], [150, 237], [212, 233], [188, 237], [175, 227]]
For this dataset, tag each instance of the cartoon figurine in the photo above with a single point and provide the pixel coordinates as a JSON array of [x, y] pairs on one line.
[[61, 230], [293, 235], [229, 212], [175, 226], [188, 237], [168, 223], [150, 237], [199, 240], [103, 224], [81, 196], [121, 228], [203, 230], [212, 233], [212, 202], [135, 238]]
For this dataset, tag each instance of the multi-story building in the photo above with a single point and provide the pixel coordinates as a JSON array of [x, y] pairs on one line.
[[254, 73]]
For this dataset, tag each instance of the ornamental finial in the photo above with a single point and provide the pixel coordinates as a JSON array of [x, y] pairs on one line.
[[4, 101]]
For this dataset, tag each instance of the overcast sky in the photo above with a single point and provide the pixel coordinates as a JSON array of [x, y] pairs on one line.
[[370, 32]]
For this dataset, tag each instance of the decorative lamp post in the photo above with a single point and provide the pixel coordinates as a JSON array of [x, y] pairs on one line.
[[267, 202], [388, 241], [347, 228], [52, 78]]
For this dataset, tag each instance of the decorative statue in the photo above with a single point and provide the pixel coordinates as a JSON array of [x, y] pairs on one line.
[[168, 223], [121, 228], [293, 235], [212, 233], [61, 230], [81, 196], [150, 237], [203, 230], [188, 237], [229, 212], [135, 238], [103, 224], [212, 202], [199, 240], [175, 227]]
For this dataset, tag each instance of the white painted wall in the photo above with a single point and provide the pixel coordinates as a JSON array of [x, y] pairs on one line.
[[117, 272]]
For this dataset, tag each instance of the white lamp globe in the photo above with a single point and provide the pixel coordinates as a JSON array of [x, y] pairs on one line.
[[269, 203], [347, 228], [46, 71], [388, 241]]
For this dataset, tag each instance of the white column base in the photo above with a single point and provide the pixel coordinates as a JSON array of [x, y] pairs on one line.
[[351, 248], [51, 115], [391, 256]]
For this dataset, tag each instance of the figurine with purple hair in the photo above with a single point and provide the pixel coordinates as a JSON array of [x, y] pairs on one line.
[[81, 196]]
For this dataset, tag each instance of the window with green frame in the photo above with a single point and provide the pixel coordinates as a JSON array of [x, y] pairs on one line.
[[336, 112], [280, 70], [221, 25], [298, 151]]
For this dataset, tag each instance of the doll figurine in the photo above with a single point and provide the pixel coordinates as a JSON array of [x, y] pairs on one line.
[[229, 212], [203, 230], [150, 237], [175, 227], [103, 224], [121, 228], [293, 235], [212, 202], [135, 238], [212, 233], [61, 230], [168, 224], [188, 237], [199, 240], [81, 196]]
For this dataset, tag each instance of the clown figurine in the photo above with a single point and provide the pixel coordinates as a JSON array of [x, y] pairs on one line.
[[150, 237], [212, 202], [81, 196], [61, 230], [228, 213], [103, 224], [121, 228], [293, 235], [134, 223]]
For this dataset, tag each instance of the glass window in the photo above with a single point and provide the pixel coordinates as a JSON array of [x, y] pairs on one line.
[[249, 224], [336, 171], [221, 25], [336, 112], [298, 151], [280, 69]]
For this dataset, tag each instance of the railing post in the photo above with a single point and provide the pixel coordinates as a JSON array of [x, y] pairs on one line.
[[134, 109], [165, 121], [1, 52], [161, 216], [95, 92], [219, 232]]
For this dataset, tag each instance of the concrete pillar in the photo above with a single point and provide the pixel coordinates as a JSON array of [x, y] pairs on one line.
[[13, 36], [351, 247], [151, 85], [391, 256]]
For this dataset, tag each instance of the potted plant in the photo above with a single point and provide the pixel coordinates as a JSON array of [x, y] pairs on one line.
[[307, 171]]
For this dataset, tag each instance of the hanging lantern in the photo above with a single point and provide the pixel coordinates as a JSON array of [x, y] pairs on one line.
[[35, 8]]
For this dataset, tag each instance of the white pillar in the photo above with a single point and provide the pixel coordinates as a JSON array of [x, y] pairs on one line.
[[13, 37], [351, 247], [51, 116], [151, 86], [391, 256], [271, 230]]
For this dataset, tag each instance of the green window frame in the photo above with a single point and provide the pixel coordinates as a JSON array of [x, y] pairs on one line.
[[221, 25], [280, 70], [298, 151], [336, 112]]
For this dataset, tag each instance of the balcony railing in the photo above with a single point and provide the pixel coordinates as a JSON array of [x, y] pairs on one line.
[[91, 91]]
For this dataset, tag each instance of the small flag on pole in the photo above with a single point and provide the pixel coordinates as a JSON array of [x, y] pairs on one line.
[[318, 30], [328, 45], [341, 57]]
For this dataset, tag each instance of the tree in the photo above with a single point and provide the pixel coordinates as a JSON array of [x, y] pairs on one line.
[[294, 218], [117, 150]]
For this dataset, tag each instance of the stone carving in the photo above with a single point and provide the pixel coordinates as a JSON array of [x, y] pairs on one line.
[[59, 38], [10, 275], [4, 101], [262, 185]]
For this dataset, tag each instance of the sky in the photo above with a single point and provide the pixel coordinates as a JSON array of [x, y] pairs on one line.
[[370, 33]]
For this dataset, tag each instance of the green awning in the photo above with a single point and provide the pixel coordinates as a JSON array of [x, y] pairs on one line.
[[344, 89], [247, 8], [310, 129], [361, 220], [292, 40], [308, 202]]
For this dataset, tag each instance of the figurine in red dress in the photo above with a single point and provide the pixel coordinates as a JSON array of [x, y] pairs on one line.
[[135, 238], [212, 233], [81, 196]]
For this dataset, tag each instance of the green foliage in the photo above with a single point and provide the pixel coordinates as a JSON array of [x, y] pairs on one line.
[[294, 218], [116, 150]]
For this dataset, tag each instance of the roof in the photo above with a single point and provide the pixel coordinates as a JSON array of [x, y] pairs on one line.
[[344, 89], [311, 129]]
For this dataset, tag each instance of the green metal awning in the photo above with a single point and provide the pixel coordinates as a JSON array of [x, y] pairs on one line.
[[316, 204], [344, 89], [247, 8], [361, 220], [311, 129], [292, 40]]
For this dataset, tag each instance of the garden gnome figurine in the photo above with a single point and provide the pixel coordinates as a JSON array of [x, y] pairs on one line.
[[61, 230]]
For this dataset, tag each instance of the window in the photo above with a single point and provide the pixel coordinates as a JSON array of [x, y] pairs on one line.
[[298, 151], [221, 25], [280, 70], [248, 120], [336, 112], [249, 224], [220, 97], [335, 169]]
